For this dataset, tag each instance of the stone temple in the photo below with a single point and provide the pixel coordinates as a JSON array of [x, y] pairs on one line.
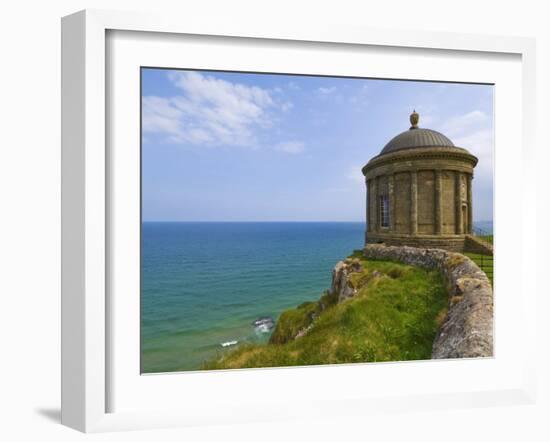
[[419, 191]]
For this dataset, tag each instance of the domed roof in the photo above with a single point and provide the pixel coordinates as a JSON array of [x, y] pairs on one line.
[[416, 137]]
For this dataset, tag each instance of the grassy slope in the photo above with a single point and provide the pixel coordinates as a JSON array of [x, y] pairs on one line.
[[394, 317]]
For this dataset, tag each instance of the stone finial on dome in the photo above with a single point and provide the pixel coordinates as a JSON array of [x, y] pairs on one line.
[[414, 120]]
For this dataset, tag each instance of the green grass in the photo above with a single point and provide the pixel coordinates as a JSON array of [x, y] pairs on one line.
[[394, 317], [484, 262], [488, 238]]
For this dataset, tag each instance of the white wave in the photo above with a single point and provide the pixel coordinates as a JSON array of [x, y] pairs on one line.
[[264, 328], [229, 343]]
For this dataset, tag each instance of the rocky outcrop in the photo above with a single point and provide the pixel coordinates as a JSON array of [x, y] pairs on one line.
[[296, 323], [341, 286], [467, 331]]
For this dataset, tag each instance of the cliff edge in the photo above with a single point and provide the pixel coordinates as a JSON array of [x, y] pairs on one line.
[[385, 303]]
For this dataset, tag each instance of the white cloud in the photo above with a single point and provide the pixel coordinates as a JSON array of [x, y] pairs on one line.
[[326, 90], [474, 131], [354, 174], [292, 147], [354, 187], [210, 111], [426, 120], [160, 116], [427, 114], [480, 143], [466, 123], [286, 106]]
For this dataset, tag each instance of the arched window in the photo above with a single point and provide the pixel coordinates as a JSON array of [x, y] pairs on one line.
[[384, 211]]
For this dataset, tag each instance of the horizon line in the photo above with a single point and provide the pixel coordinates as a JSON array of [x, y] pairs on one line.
[[269, 221]]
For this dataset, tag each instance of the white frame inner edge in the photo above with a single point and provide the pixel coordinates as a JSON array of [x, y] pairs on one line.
[[98, 379]]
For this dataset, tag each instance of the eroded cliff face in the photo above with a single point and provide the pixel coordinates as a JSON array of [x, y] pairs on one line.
[[342, 286], [467, 331], [293, 325]]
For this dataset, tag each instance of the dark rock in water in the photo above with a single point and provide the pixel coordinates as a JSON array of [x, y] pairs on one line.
[[264, 324]]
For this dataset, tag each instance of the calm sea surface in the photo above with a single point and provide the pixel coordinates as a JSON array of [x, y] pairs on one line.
[[203, 284]]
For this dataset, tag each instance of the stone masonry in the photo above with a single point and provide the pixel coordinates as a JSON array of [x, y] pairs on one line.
[[419, 191]]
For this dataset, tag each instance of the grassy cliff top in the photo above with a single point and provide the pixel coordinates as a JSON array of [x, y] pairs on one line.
[[393, 317]]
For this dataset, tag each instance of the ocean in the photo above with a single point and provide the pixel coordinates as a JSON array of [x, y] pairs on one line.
[[203, 284]]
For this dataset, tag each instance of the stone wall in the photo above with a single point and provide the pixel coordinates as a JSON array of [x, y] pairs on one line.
[[453, 243], [473, 244], [402, 195], [426, 202], [429, 192], [467, 331], [448, 203]]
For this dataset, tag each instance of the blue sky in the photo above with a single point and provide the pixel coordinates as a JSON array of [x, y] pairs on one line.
[[221, 146]]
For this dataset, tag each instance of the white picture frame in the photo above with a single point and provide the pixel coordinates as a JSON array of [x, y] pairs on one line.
[[86, 204]]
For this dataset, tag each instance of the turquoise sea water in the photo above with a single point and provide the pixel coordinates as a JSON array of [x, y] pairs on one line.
[[203, 284]]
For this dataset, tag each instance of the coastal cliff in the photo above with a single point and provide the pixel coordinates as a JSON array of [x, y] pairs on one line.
[[466, 331], [341, 289], [373, 311], [384, 304]]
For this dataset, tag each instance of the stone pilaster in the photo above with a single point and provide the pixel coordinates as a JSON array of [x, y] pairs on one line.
[[368, 184], [469, 178], [459, 223], [438, 202], [376, 205], [391, 202], [414, 203]]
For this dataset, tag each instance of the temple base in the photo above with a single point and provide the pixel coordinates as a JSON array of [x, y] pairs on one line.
[[453, 243]]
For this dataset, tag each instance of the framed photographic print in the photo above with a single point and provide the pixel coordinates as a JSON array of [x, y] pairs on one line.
[[310, 216]]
